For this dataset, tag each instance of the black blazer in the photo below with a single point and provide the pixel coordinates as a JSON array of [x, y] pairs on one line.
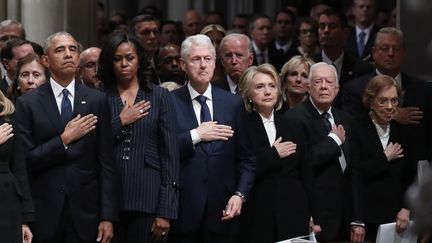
[[276, 58], [351, 44], [384, 182], [4, 86], [222, 83], [84, 174], [211, 172], [417, 93], [16, 205], [280, 203], [147, 155], [337, 191]]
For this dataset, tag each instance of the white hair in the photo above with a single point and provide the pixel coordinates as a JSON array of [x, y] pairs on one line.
[[236, 36], [196, 40], [321, 64]]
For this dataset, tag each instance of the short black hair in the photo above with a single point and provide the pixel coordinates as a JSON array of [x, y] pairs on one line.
[[343, 20], [287, 12], [6, 50]]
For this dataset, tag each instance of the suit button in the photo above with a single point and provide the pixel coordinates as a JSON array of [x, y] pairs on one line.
[[126, 149], [123, 132], [62, 191], [125, 157], [127, 140]]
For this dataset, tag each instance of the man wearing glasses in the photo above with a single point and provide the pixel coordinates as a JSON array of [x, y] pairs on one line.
[[414, 111]]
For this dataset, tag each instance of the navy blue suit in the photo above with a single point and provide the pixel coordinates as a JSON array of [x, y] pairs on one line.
[[82, 176], [211, 172]]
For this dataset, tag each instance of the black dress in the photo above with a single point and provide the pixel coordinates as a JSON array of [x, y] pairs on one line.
[[16, 205]]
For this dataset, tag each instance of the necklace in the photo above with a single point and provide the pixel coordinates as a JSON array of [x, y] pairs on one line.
[[382, 130]]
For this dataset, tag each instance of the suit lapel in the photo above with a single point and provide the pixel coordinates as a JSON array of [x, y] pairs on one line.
[[218, 113], [80, 101], [317, 124], [187, 109], [49, 105]]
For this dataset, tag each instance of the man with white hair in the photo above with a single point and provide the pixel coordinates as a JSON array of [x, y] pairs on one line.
[[217, 169], [329, 137]]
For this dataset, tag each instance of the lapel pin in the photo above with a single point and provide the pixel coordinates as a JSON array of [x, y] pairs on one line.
[[83, 102]]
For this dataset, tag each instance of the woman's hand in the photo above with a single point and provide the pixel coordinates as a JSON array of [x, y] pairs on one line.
[[393, 151], [27, 234], [284, 149], [5, 132], [130, 114]]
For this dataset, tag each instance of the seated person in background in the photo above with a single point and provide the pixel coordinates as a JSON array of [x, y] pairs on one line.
[[88, 66], [30, 74], [168, 65]]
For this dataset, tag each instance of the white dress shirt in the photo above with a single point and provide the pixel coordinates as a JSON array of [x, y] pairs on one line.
[[342, 160], [232, 85], [366, 30], [270, 128], [58, 95], [197, 108]]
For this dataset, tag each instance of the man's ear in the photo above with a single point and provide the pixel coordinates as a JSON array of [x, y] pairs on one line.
[[5, 63], [44, 61]]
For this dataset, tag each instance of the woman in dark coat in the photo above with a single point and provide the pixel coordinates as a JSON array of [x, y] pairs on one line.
[[386, 169], [145, 141], [279, 206], [16, 208]]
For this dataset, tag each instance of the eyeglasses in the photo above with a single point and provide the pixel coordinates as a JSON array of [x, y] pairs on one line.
[[307, 31], [386, 101], [321, 81]]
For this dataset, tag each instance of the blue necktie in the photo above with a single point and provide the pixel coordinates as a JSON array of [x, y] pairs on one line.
[[205, 111], [326, 117], [361, 43], [66, 107]]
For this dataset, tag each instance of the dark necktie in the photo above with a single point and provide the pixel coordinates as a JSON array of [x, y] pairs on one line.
[[205, 111], [66, 107], [361, 43], [326, 116]]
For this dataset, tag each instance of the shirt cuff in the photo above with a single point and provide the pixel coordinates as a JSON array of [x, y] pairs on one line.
[[195, 137], [358, 223], [335, 138]]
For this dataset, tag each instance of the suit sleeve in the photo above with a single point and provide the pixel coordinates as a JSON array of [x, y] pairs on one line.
[[247, 162], [108, 175], [18, 168], [168, 194], [38, 156]]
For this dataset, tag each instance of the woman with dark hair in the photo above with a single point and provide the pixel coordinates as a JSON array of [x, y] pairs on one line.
[[29, 74], [145, 141], [386, 169], [280, 203], [16, 207]]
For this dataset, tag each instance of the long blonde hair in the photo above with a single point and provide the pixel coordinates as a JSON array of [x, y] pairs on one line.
[[6, 106]]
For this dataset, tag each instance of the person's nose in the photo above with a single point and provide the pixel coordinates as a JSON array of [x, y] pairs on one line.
[[123, 62]]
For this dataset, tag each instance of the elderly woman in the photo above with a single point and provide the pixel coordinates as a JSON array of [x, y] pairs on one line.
[[294, 77], [30, 74], [385, 167], [280, 203], [144, 138], [16, 208]]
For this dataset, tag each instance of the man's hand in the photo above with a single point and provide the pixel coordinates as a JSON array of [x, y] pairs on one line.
[[26, 234], [408, 115], [78, 127], [5, 132], [339, 131], [402, 220], [233, 208], [105, 232], [315, 228], [160, 228], [130, 114], [357, 233], [393, 151], [284, 149], [211, 131]]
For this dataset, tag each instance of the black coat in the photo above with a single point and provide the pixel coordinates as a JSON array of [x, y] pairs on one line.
[[16, 206], [280, 203]]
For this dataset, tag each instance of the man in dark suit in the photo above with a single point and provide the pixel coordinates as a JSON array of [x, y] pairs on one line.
[[285, 40], [329, 137], [415, 111], [362, 35], [217, 169], [261, 32], [66, 136], [236, 56], [13, 50], [333, 32]]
